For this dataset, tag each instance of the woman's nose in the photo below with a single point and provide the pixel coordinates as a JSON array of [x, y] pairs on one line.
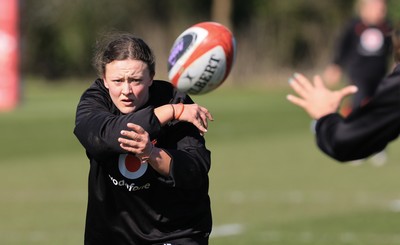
[[126, 89]]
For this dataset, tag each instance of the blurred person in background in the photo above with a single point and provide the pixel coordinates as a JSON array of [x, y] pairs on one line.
[[368, 129], [148, 177], [362, 52]]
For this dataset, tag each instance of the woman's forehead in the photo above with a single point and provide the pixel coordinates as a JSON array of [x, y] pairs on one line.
[[127, 66]]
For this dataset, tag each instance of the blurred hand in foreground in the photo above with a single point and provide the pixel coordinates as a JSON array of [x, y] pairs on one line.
[[315, 98]]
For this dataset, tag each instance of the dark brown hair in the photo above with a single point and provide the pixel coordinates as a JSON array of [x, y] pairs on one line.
[[121, 46]]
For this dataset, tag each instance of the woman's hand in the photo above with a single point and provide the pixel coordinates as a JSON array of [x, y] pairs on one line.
[[316, 99], [193, 113], [136, 141]]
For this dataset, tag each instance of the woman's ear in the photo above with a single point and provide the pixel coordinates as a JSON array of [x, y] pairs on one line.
[[105, 82]]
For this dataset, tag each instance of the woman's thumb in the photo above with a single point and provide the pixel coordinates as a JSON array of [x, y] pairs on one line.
[[349, 90]]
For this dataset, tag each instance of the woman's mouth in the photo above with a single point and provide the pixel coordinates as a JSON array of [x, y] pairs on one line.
[[127, 102]]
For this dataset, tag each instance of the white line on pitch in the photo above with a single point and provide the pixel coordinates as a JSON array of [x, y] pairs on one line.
[[227, 230]]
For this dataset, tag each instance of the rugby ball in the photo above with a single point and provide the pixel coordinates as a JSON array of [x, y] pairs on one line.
[[201, 58]]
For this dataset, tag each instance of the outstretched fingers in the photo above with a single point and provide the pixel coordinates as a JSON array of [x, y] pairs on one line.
[[296, 100], [313, 97], [207, 114], [303, 81], [204, 115], [198, 116], [300, 85], [319, 83], [348, 90]]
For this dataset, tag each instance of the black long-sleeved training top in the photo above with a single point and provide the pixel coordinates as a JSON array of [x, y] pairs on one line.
[[366, 130], [129, 202], [363, 51]]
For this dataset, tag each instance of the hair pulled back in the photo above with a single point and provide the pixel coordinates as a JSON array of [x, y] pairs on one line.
[[121, 46]]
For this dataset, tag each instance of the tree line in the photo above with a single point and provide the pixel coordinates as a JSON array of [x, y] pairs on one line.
[[58, 37]]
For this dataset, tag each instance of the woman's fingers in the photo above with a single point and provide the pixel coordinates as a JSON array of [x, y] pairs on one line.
[[315, 98], [132, 135], [207, 114], [198, 116], [137, 128], [303, 82], [318, 83], [129, 145], [348, 90], [203, 116], [134, 140], [297, 101], [299, 88]]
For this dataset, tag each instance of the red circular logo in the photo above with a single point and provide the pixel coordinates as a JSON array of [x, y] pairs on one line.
[[131, 167]]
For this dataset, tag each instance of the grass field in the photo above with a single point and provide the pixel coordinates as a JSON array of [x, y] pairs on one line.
[[269, 183]]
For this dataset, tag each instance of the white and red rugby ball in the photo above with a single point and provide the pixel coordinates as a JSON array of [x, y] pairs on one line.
[[201, 58]]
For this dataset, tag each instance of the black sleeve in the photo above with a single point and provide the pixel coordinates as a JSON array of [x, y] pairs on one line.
[[98, 127], [343, 45], [365, 131], [190, 160]]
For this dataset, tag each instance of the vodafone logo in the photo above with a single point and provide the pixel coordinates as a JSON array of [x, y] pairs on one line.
[[372, 40], [131, 167]]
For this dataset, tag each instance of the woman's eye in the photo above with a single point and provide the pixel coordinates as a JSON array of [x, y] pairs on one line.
[[135, 80]]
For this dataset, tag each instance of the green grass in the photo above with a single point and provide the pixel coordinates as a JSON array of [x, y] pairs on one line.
[[267, 176]]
